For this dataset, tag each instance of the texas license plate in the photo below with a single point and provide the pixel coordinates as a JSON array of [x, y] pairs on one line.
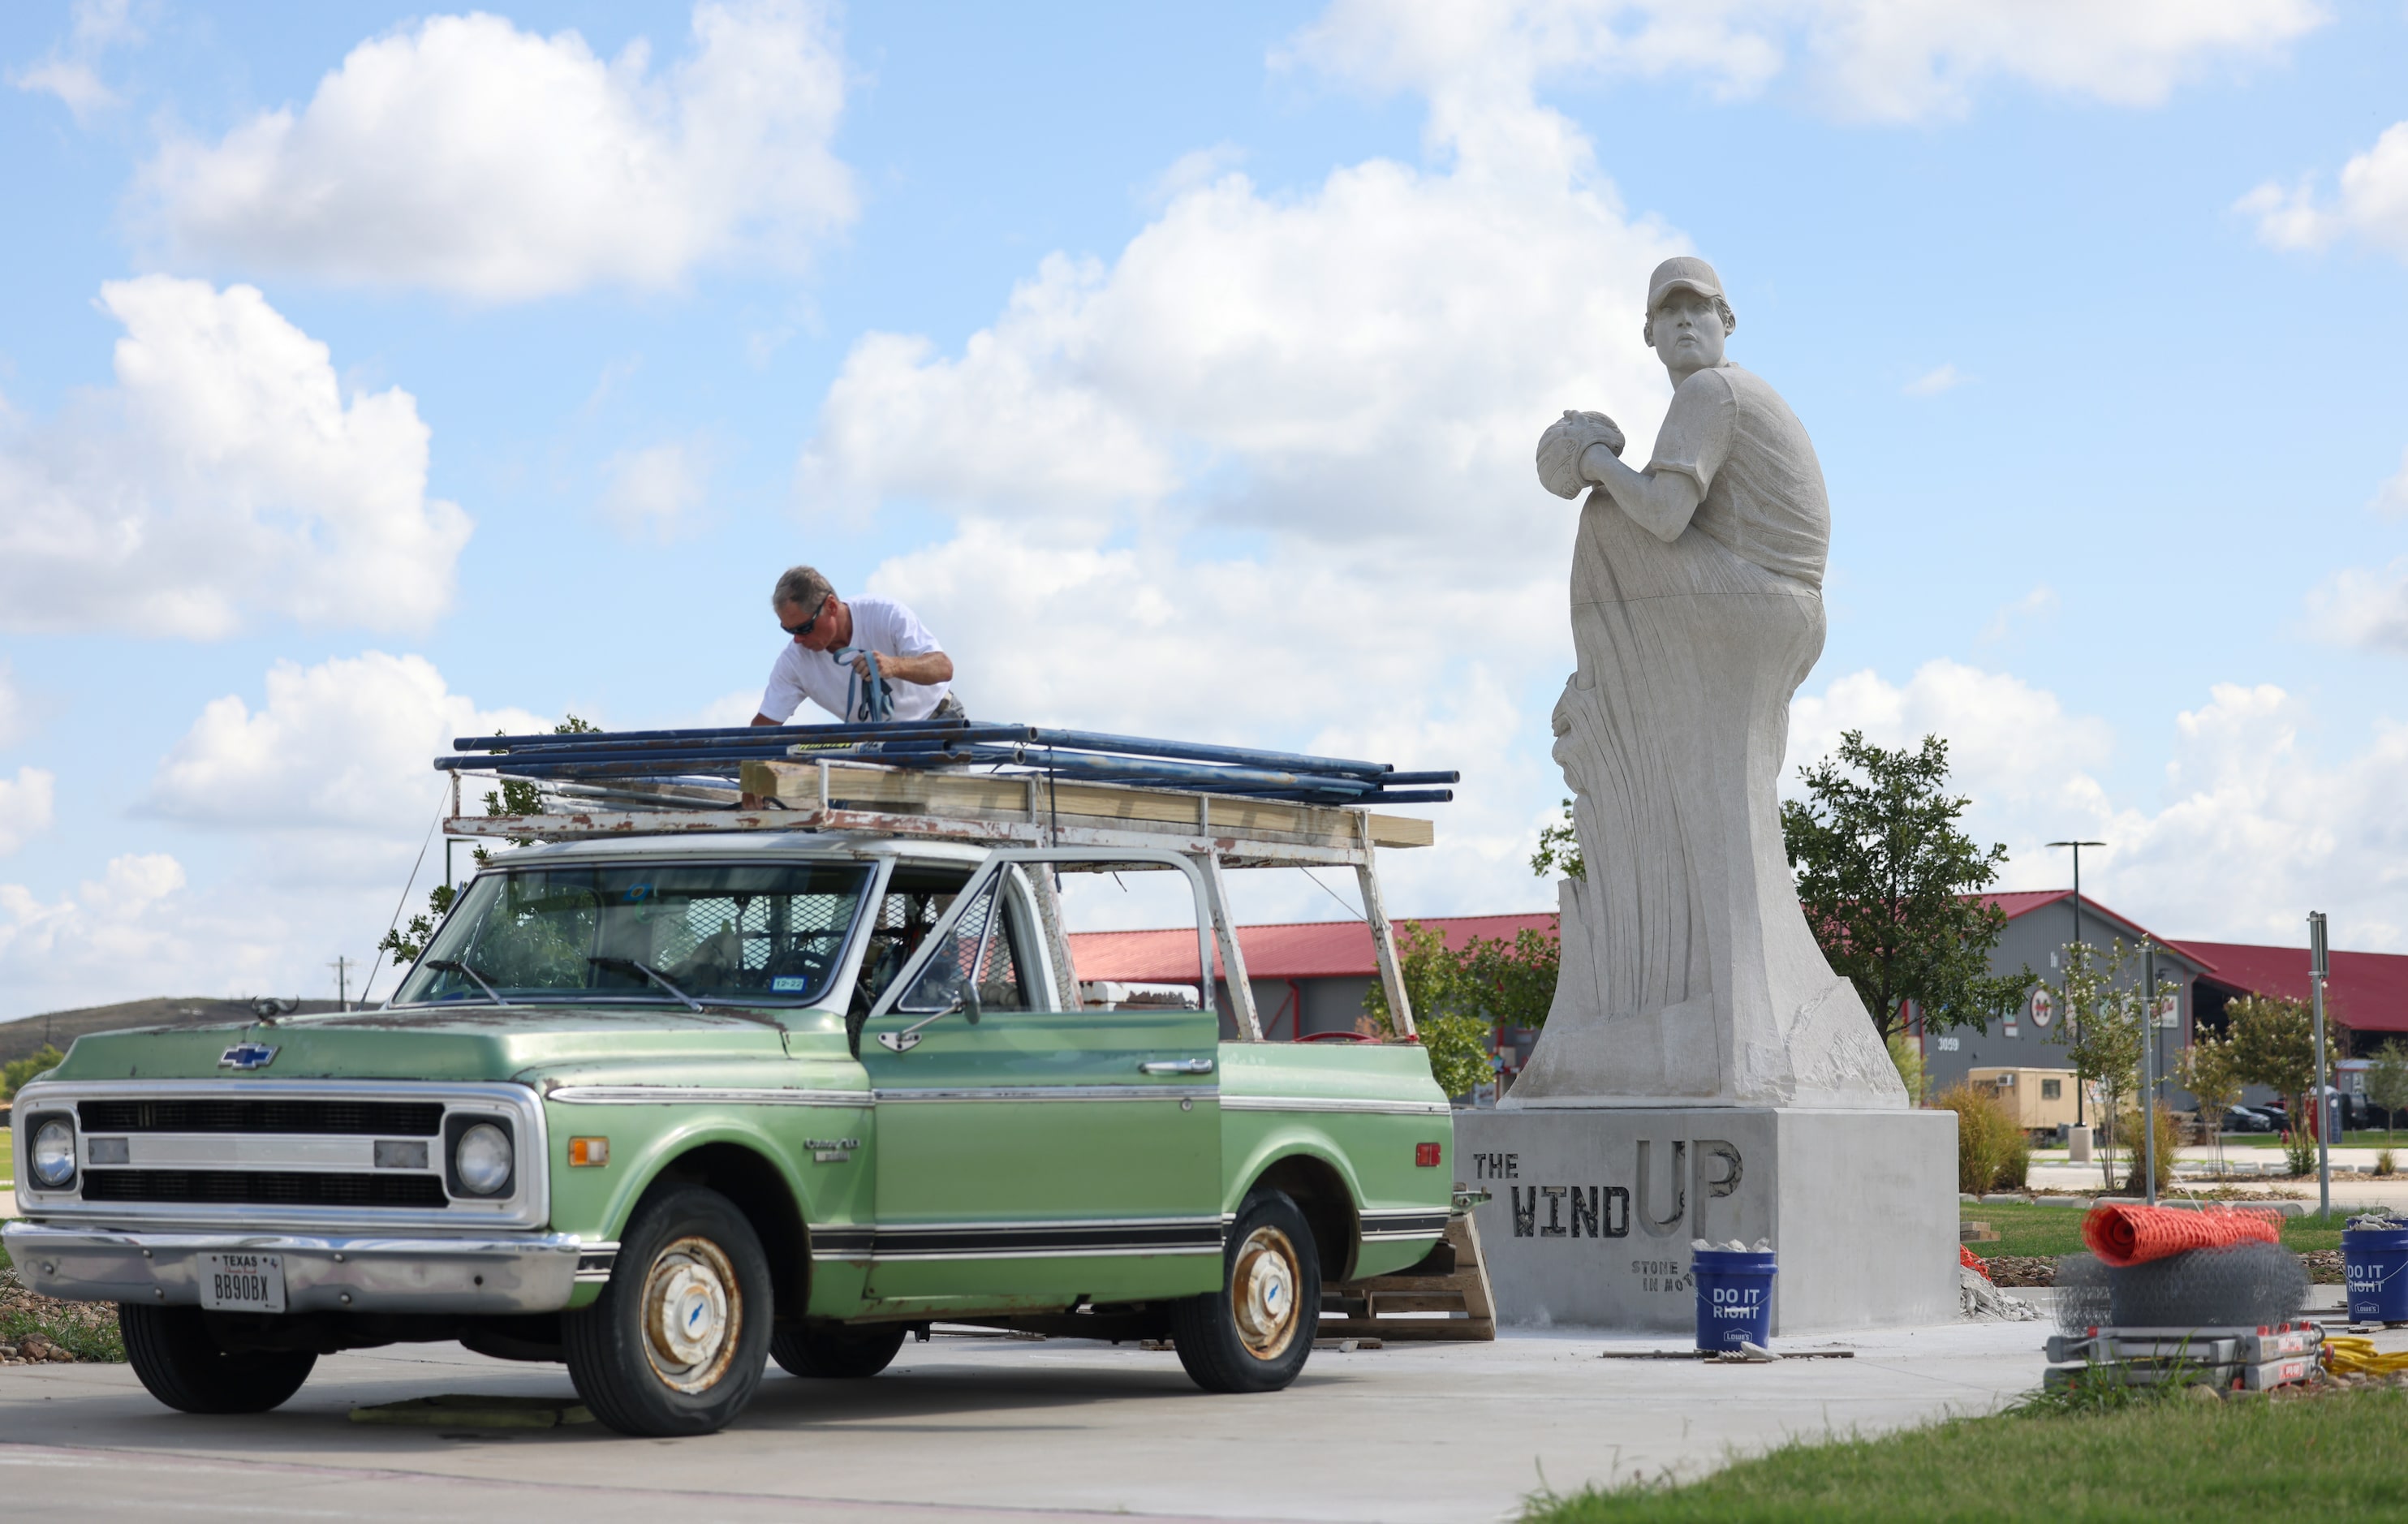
[[243, 1282]]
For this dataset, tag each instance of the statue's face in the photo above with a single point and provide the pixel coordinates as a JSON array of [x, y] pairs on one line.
[[1688, 332]]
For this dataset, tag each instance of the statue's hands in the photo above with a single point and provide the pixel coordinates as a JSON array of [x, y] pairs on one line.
[[1565, 442]]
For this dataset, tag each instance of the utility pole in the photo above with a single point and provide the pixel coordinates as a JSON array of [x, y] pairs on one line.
[[342, 967], [2319, 966], [2149, 1067], [2070, 1016]]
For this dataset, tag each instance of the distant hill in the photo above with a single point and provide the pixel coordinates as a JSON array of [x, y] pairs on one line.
[[24, 1038]]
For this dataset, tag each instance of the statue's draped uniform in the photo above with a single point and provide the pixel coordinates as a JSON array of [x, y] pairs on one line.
[[1689, 974]]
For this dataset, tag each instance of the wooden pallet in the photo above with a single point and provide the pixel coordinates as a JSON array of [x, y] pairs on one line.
[[1464, 1289]]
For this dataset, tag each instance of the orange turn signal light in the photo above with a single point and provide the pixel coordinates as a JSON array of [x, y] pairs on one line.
[[589, 1152]]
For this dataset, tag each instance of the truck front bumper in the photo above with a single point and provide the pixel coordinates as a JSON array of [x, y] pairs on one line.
[[503, 1272]]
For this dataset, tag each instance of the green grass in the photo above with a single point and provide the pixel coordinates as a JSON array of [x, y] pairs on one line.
[[2347, 1140], [2332, 1458], [2058, 1230], [7, 1159]]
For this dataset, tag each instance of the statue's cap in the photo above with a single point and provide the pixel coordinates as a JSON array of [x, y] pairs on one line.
[[1684, 272]]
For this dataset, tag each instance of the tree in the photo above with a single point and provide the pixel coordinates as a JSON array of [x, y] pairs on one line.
[[1560, 848], [2210, 1069], [2102, 1034], [515, 796], [2387, 1084], [15, 1075], [1889, 884], [1460, 995], [2276, 1043]]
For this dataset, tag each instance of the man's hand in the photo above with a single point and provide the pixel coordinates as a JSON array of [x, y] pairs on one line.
[[935, 667]]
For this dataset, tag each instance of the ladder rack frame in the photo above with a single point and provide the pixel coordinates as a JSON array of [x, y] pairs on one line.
[[1029, 810]]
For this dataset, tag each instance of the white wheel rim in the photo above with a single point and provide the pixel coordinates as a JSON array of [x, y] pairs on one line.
[[1263, 1292], [693, 1314]]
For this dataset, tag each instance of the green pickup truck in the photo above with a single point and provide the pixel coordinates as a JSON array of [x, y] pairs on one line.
[[672, 1095]]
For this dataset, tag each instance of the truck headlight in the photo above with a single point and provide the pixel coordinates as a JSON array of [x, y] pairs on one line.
[[53, 1155], [480, 1160]]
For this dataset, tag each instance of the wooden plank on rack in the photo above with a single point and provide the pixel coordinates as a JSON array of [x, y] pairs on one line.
[[796, 784]]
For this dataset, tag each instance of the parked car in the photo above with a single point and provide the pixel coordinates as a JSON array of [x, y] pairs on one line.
[[2248, 1119]]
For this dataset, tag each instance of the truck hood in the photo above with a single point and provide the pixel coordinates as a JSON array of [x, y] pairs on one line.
[[471, 1042]]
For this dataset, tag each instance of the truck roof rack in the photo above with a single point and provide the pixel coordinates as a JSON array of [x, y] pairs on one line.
[[990, 785], [1001, 785]]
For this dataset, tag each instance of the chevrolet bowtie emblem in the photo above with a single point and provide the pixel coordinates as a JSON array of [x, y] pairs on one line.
[[247, 1056]]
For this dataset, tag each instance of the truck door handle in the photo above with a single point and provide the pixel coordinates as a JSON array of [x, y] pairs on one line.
[[1176, 1066]]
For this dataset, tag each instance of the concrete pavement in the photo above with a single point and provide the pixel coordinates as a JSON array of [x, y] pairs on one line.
[[984, 1428]]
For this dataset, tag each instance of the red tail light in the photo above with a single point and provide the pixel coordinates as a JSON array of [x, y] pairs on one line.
[[1425, 1155]]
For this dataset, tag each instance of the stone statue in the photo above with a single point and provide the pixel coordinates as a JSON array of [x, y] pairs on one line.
[[1689, 976]]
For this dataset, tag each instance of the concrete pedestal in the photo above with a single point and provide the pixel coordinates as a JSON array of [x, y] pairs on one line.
[[1593, 1211]]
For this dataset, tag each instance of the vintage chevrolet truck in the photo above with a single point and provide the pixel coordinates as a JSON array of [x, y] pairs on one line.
[[674, 1092]]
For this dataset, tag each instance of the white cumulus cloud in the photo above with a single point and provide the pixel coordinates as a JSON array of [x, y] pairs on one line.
[[26, 803], [2364, 607], [225, 475], [657, 493], [1943, 377], [2370, 206], [1875, 59], [67, 72], [462, 154], [2251, 830], [342, 745]]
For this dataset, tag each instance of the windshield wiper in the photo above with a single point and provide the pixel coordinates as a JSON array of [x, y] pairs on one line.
[[453, 965], [648, 972]]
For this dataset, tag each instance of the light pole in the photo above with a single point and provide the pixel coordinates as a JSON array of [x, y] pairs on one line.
[[2070, 1014], [2149, 1066], [2319, 966]]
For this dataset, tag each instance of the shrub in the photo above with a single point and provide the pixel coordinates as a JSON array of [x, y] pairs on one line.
[[2300, 1151], [2170, 1132], [15, 1075], [1991, 1148], [2383, 1162]]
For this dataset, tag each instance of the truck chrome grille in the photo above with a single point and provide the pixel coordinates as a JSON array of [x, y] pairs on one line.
[[384, 1118], [264, 1188]]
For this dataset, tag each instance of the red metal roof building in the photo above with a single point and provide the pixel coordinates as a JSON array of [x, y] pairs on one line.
[[1308, 975], [2365, 992]]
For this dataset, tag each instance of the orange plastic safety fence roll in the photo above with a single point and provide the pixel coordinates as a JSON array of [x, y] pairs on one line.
[[2130, 1235], [1972, 1262]]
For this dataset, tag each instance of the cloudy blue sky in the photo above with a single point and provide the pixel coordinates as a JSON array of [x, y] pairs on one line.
[[370, 376]]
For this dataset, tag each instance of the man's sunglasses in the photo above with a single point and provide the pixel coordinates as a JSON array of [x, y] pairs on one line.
[[805, 628]]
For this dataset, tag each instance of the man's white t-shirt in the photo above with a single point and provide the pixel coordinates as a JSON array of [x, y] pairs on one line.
[[879, 624]]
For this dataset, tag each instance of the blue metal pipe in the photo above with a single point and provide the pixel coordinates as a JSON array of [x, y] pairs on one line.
[[789, 734], [1199, 751]]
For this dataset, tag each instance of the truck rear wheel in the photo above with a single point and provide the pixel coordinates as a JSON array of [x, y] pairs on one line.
[[182, 1365], [677, 1342], [837, 1350], [1256, 1332]]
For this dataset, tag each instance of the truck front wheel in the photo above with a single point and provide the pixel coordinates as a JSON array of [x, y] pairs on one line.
[[1254, 1333], [182, 1365], [677, 1342], [837, 1349]]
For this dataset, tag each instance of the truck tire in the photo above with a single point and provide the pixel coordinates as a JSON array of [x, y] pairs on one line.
[[181, 1365], [1254, 1333], [677, 1340], [838, 1351]]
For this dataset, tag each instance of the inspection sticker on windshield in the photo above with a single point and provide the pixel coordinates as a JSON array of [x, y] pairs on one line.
[[242, 1282], [788, 981]]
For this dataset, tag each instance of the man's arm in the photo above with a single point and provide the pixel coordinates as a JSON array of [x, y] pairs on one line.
[[932, 667], [1659, 502], [764, 720]]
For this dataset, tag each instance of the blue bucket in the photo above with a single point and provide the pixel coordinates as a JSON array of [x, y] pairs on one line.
[[1734, 1298], [2375, 1263]]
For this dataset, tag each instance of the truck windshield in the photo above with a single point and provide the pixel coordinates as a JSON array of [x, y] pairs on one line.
[[746, 934]]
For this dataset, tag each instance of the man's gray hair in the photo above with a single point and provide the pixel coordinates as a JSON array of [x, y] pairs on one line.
[[804, 587]]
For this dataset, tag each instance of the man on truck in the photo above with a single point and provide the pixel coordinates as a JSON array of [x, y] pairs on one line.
[[842, 653]]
